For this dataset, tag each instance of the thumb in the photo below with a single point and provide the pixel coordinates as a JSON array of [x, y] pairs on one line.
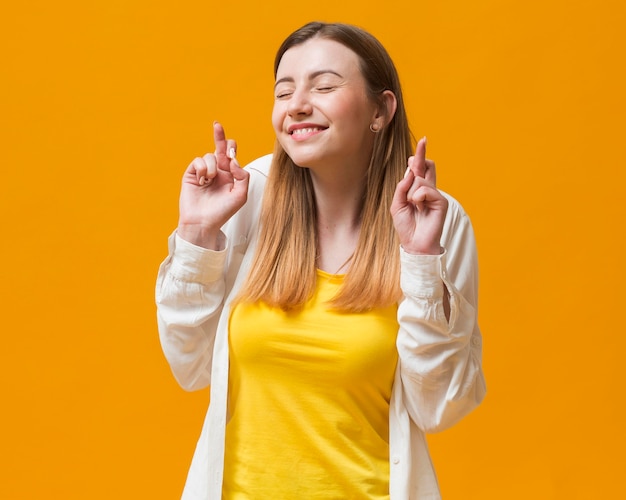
[[238, 173], [400, 196]]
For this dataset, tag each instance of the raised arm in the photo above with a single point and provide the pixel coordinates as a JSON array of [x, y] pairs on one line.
[[191, 281], [214, 187], [439, 342]]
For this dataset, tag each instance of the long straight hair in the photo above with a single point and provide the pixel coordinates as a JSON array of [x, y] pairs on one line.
[[283, 272]]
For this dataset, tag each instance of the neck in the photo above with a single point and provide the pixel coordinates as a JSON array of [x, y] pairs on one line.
[[339, 203]]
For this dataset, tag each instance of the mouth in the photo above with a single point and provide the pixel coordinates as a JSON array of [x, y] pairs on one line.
[[306, 131]]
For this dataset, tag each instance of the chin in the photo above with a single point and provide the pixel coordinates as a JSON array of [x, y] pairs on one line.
[[300, 164], [313, 157], [302, 159]]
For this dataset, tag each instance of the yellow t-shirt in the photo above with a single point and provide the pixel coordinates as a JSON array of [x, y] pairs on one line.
[[309, 401]]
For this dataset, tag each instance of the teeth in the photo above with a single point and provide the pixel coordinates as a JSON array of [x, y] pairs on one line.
[[305, 130]]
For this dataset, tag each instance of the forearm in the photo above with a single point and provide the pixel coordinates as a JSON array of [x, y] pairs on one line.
[[189, 297], [440, 351]]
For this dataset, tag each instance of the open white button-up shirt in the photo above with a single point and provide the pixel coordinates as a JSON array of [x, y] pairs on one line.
[[439, 377]]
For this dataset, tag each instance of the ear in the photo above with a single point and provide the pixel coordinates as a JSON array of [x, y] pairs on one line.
[[387, 109]]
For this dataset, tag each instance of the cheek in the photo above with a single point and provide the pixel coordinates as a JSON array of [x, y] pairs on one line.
[[357, 110], [277, 118]]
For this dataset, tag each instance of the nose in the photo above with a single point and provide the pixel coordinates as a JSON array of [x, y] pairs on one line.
[[299, 103]]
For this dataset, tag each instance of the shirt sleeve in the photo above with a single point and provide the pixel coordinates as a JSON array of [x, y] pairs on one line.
[[440, 357], [189, 296]]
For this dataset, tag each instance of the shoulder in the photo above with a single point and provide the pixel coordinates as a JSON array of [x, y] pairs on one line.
[[260, 166], [457, 229], [455, 209], [258, 170]]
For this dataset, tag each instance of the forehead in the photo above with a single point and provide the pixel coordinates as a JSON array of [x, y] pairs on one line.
[[316, 54]]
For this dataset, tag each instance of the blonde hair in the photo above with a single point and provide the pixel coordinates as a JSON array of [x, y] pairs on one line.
[[283, 272]]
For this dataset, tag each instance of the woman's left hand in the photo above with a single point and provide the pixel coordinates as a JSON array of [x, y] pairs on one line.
[[418, 209]]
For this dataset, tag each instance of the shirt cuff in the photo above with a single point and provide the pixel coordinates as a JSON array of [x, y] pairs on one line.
[[196, 264], [422, 275]]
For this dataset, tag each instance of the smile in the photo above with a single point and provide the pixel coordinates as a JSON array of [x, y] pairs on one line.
[[306, 131]]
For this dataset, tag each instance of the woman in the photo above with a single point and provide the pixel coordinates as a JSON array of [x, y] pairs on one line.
[[326, 293]]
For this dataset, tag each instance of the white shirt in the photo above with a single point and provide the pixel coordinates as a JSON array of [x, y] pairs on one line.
[[439, 376]]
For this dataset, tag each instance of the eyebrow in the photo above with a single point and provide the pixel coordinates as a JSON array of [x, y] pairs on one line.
[[312, 76]]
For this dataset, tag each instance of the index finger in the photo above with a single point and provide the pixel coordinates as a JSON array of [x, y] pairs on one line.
[[219, 137], [419, 162]]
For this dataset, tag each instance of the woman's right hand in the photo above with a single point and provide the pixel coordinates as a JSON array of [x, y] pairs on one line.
[[214, 187]]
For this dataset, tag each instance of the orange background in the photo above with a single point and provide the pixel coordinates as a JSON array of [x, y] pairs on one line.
[[104, 103]]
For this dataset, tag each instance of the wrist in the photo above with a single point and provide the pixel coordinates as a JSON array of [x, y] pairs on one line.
[[419, 250], [202, 236]]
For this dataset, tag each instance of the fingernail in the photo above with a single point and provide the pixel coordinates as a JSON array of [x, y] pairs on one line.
[[408, 169], [231, 153], [202, 180], [425, 141]]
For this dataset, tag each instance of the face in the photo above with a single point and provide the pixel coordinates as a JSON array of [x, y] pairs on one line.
[[322, 112]]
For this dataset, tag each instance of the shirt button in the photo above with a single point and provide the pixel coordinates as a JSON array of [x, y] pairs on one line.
[[395, 460], [475, 341]]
